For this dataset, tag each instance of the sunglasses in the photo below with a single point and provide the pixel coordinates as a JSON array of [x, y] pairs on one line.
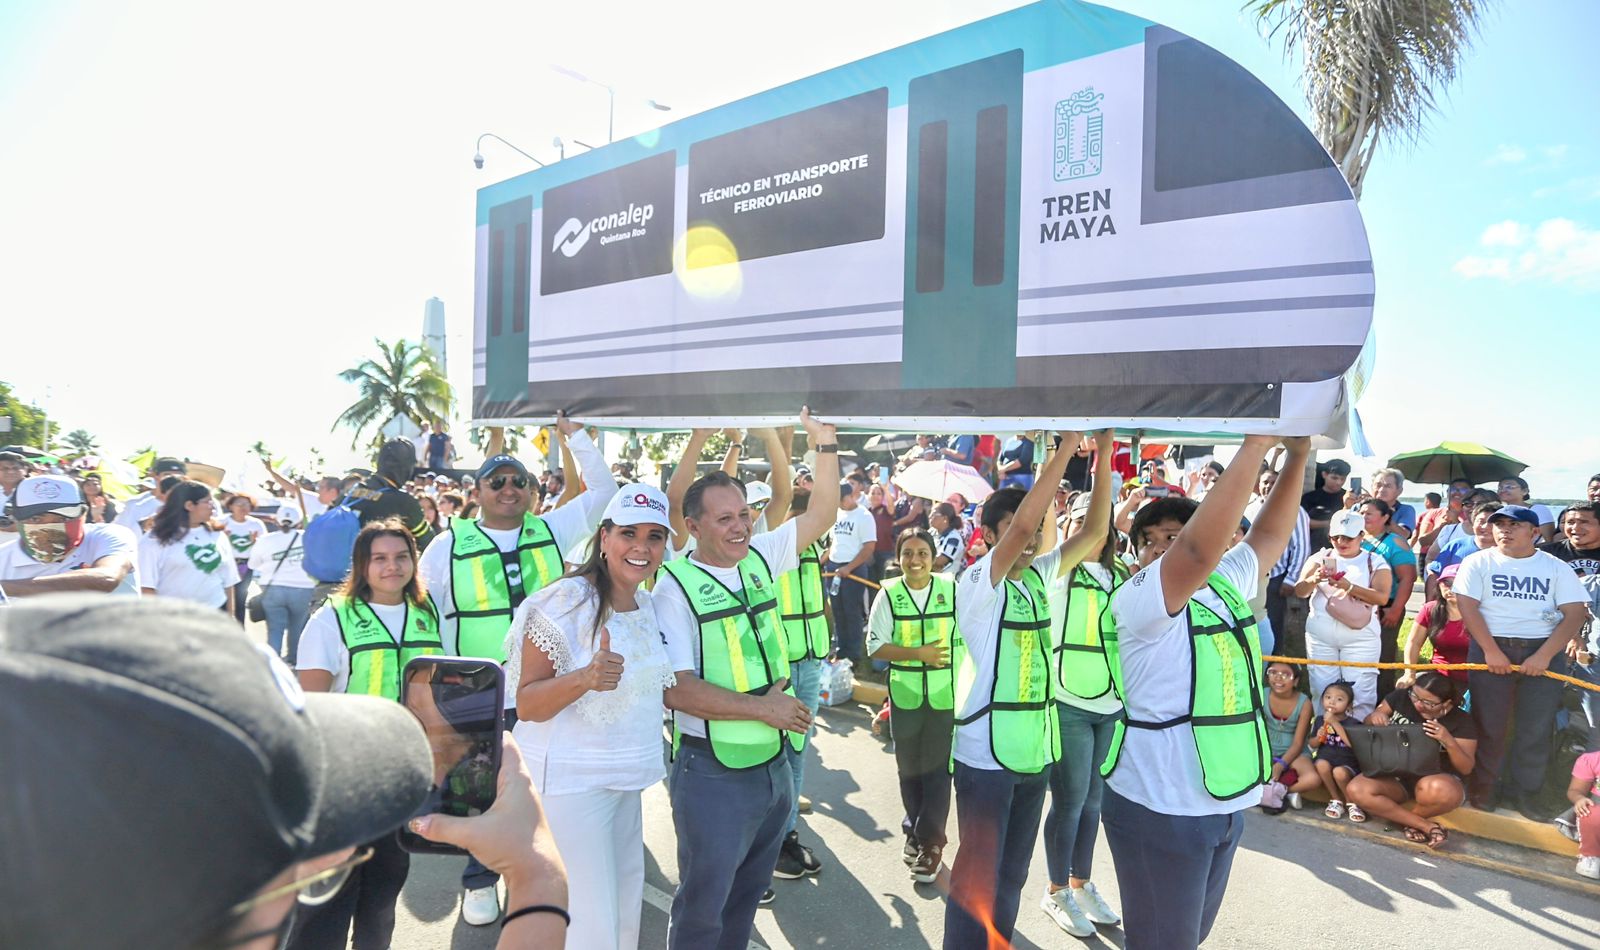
[[310, 891], [499, 481]]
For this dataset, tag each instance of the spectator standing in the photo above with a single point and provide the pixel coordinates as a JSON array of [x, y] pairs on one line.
[[13, 469], [380, 497], [590, 668], [1593, 489], [1282, 576], [1579, 544], [950, 542], [1328, 497], [1016, 462], [1387, 484], [963, 450], [854, 542], [57, 550], [1478, 536], [278, 559], [1521, 606], [1433, 702], [1515, 491], [1381, 539], [1439, 622], [186, 555], [441, 449], [142, 507], [359, 642], [102, 510], [883, 526], [1346, 585], [430, 513], [244, 530]]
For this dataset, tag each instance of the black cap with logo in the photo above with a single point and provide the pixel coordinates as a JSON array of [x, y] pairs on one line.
[[160, 768]]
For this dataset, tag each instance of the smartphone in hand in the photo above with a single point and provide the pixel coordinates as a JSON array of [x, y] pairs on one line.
[[460, 703]]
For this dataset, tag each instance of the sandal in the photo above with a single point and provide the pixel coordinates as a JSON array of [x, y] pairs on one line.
[[1356, 814], [1335, 809], [1415, 836], [1437, 836]]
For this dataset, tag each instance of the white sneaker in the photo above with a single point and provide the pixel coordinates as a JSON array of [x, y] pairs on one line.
[[1589, 867], [1293, 801], [1093, 905], [480, 906], [1066, 913]]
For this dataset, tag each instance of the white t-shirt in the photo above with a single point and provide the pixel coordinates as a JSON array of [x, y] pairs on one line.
[[980, 605], [198, 566], [313, 506], [1520, 597], [880, 621], [1101, 705], [602, 740], [677, 618], [854, 529], [571, 525], [1359, 570], [1159, 768], [99, 541], [137, 509], [243, 535], [322, 647], [270, 550]]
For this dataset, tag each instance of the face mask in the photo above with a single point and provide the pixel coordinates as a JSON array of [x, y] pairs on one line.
[[51, 543]]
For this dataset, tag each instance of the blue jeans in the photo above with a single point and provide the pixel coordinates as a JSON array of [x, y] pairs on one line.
[[1172, 871], [730, 829], [1515, 759], [1590, 700], [997, 817], [806, 678], [1073, 823], [849, 612], [287, 609]]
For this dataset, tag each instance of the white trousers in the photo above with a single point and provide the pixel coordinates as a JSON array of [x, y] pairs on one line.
[[601, 837], [1327, 639]]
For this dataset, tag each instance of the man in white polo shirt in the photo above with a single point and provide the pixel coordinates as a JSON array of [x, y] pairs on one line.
[[1521, 606], [57, 550], [855, 536]]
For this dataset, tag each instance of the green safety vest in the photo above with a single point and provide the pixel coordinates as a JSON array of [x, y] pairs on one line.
[[1225, 708], [911, 682], [1024, 731], [741, 648], [376, 660], [480, 589], [1081, 666], [805, 628]]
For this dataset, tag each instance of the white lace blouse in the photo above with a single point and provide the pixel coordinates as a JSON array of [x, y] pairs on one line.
[[609, 740]]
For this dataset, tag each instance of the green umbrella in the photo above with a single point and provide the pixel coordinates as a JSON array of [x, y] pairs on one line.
[[1448, 461]]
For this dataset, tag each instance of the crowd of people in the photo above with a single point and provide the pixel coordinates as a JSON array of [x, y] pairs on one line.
[[1091, 630]]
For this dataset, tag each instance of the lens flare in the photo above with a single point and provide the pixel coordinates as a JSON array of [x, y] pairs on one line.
[[707, 264]]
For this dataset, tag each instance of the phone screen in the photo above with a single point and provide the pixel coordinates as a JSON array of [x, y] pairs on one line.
[[459, 702], [1355, 484]]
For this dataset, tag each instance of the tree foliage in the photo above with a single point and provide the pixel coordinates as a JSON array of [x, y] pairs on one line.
[[404, 380], [1372, 68], [81, 442], [27, 421]]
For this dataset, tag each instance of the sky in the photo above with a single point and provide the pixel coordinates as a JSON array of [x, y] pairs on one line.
[[208, 210]]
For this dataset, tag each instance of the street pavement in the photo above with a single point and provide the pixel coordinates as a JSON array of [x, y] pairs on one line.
[[1293, 883]]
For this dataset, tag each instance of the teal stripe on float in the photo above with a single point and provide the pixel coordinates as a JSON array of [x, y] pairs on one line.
[[1049, 33]]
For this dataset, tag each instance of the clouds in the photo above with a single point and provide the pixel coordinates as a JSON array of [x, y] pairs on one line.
[[1558, 250], [1544, 156], [1507, 155]]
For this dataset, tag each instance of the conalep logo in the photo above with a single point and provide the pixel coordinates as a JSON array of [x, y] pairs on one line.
[[573, 234]]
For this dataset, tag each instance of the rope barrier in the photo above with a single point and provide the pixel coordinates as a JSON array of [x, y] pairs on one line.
[[1302, 661], [852, 577]]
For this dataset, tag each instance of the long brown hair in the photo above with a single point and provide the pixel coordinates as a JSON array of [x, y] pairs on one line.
[[356, 584], [595, 570]]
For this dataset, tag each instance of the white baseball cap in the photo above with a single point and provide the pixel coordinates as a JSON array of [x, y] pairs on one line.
[[288, 515], [1346, 524], [757, 493], [638, 504], [47, 494]]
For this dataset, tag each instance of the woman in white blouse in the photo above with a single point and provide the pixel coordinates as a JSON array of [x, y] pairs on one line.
[[590, 669]]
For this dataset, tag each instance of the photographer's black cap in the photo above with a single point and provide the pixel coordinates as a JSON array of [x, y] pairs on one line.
[[160, 767]]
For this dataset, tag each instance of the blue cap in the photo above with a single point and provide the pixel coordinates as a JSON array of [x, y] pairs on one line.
[[500, 461], [1517, 513]]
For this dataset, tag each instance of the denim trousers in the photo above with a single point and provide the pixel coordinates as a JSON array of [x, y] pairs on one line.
[[1172, 871], [1532, 701], [288, 609], [806, 678], [997, 817], [1073, 823]]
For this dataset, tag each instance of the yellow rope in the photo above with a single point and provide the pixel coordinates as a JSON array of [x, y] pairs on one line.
[[852, 577], [1421, 666]]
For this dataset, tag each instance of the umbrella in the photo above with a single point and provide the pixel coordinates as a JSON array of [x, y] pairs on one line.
[[938, 479], [890, 442], [31, 453], [1451, 460]]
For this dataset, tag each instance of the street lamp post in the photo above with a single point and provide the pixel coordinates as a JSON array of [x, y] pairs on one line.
[[477, 155], [611, 93]]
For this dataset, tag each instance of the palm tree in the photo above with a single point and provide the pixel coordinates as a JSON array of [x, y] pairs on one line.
[[1372, 67], [81, 442], [403, 381]]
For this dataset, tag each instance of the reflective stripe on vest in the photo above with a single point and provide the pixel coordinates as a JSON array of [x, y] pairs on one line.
[[742, 649], [1081, 667], [805, 625], [911, 682], [480, 589], [1225, 706], [376, 660], [1024, 730]]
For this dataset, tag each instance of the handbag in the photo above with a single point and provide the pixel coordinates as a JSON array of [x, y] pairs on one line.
[[1348, 611], [257, 610], [1394, 750]]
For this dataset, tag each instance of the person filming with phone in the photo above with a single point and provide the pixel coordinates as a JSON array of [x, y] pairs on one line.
[[227, 801]]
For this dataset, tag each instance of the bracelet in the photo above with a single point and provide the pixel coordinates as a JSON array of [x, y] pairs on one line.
[[828, 448], [538, 909]]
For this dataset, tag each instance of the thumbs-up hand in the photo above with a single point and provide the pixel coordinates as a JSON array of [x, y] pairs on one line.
[[782, 711], [605, 668]]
